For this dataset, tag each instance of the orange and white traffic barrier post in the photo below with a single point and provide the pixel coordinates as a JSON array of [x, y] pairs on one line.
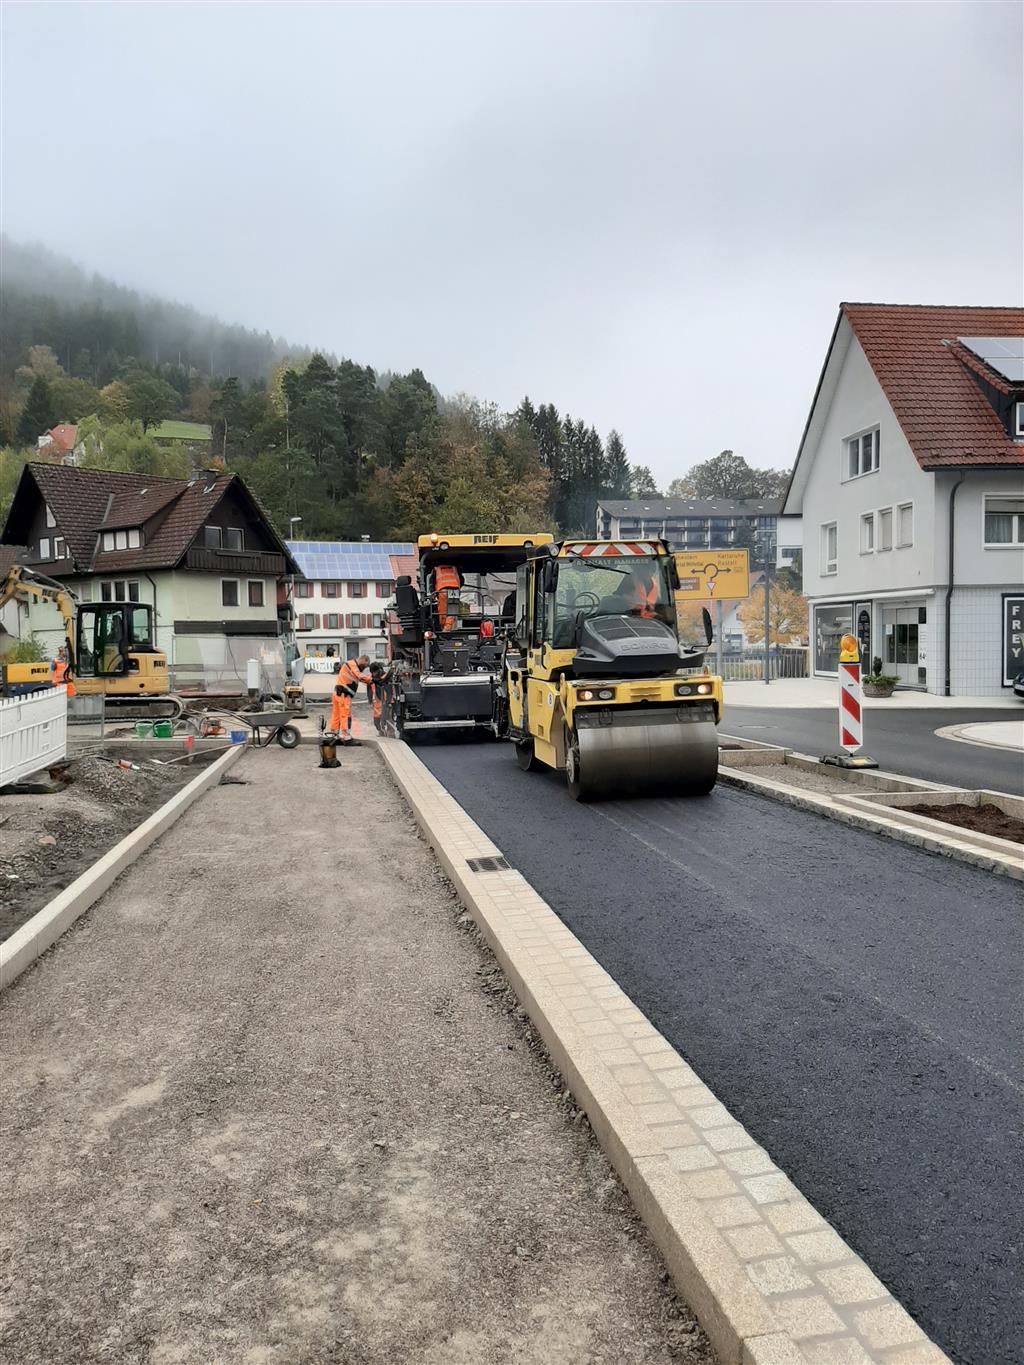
[[851, 709]]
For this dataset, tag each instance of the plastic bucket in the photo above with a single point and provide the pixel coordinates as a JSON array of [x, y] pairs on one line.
[[239, 736], [163, 729], [144, 729]]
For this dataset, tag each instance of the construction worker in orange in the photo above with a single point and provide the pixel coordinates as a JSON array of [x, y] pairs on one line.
[[447, 579], [645, 596], [346, 686], [60, 671]]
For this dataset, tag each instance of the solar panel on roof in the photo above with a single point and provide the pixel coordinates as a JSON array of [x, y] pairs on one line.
[[1005, 355]]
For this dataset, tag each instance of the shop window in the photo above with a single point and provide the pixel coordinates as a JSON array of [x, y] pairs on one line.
[[829, 548], [867, 533], [255, 592], [229, 592], [885, 529], [904, 525], [1004, 521], [831, 623]]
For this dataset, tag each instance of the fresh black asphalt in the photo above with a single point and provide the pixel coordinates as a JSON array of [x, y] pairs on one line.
[[902, 741], [854, 1001]]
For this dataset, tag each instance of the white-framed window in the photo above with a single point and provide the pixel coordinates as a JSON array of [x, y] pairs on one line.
[[380, 649], [885, 528], [1018, 426], [44, 547], [229, 592], [119, 590], [867, 533], [904, 525], [129, 539], [1004, 521], [829, 548], [861, 454], [60, 548], [376, 620]]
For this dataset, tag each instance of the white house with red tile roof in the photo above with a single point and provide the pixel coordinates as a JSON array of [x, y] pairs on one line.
[[910, 482], [341, 599], [59, 440]]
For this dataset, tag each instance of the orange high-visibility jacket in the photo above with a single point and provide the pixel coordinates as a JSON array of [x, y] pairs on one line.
[[647, 599], [349, 676]]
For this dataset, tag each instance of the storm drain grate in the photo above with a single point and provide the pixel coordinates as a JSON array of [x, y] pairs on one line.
[[498, 864]]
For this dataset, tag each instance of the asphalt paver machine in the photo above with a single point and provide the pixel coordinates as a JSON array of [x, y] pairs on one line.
[[596, 681], [447, 637]]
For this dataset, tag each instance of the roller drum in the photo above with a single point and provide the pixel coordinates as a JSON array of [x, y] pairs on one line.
[[619, 753]]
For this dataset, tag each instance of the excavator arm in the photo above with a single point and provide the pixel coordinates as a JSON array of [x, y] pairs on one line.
[[25, 585]]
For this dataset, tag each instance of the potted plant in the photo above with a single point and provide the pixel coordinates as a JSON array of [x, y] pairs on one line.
[[876, 683]]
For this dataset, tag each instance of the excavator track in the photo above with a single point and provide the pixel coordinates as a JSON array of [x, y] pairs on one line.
[[671, 752], [166, 707]]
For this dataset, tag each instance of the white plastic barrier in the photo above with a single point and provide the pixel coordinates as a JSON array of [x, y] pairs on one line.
[[33, 733]]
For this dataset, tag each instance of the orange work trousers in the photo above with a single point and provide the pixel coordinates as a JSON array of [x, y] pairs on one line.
[[341, 714]]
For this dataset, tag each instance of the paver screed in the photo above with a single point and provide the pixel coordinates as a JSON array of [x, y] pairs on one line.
[[270, 1101]]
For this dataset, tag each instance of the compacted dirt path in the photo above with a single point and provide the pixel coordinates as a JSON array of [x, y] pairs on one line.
[[271, 1102]]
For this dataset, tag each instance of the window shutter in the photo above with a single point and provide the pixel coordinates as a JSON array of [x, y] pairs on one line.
[[348, 620], [316, 621]]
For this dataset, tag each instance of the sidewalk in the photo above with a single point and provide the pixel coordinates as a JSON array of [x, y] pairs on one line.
[[272, 1102], [795, 693]]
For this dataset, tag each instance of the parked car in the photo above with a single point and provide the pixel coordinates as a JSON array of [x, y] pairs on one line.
[[1018, 686]]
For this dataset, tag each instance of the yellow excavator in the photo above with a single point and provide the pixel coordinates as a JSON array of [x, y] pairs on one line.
[[110, 650], [596, 682]]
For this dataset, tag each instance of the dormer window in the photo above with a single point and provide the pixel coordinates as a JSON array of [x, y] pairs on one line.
[[862, 453], [130, 539]]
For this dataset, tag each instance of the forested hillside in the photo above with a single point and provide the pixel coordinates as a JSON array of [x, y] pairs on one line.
[[348, 450]]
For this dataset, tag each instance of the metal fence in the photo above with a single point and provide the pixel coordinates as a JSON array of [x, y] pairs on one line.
[[749, 665]]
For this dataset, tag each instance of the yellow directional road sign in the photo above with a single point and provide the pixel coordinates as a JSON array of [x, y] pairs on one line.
[[713, 573]]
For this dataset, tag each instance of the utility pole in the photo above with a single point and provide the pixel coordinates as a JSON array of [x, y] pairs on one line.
[[767, 621]]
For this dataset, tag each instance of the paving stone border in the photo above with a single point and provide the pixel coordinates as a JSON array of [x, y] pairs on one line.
[[770, 1280]]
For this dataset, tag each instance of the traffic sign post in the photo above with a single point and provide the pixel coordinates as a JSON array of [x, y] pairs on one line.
[[851, 709]]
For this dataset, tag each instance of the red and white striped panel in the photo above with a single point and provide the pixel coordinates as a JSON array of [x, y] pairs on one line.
[[609, 549], [851, 727]]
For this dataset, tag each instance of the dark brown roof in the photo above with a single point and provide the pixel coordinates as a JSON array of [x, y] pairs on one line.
[[84, 500], [914, 354], [135, 508]]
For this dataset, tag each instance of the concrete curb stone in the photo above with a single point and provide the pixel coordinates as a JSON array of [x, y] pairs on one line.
[[46, 926], [771, 1282]]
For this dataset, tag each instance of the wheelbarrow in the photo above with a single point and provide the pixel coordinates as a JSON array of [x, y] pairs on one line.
[[267, 726]]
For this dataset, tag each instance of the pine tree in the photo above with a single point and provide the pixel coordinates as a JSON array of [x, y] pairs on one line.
[[619, 472], [38, 414]]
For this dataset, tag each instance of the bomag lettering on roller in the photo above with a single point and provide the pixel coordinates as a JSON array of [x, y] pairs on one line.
[[448, 647], [596, 682]]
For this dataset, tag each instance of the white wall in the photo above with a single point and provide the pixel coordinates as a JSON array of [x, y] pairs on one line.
[[859, 403], [342, 606]]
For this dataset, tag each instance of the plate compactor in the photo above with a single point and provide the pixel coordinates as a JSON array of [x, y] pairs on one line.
[[596, 682]]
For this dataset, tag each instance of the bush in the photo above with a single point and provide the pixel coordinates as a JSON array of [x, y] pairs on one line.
[[28, 651]]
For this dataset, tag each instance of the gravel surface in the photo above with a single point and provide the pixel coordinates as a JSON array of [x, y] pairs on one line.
[[798, 777], [46, 841], [854, 1001], [271, 1101]]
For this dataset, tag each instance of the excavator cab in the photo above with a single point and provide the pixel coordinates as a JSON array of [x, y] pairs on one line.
[[110, 635], [597, 683]]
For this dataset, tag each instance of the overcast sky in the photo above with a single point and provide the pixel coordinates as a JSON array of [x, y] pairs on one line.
[[644, 214]]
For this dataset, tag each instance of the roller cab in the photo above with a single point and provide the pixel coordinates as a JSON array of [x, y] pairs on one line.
[[597, 682]]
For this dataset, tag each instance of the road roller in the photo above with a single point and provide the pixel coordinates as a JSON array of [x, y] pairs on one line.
[[596, 681]]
